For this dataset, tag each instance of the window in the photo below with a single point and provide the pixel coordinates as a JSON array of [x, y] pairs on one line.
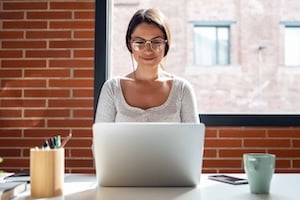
[[292, 46], [228, 95], [211, 45]]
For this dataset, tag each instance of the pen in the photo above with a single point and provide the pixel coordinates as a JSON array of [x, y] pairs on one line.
[[64, 142], [46, 145], [57, 141]]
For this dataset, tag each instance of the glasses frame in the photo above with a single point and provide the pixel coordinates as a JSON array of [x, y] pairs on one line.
[[140, 44]]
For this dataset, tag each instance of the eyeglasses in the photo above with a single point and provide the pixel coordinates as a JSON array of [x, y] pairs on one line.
[[155, 44]]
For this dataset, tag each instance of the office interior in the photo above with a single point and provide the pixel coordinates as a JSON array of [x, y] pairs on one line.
[[48, 66]]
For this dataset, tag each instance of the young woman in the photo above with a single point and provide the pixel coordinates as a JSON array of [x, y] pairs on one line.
[[148, 93]]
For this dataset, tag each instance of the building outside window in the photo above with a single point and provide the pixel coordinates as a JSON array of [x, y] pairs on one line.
[[235, 68], [211, 45]]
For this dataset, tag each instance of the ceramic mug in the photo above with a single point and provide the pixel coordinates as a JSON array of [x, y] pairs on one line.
[[259, 168]]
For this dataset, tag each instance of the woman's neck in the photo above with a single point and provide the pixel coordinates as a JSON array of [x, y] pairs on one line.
[[147, 75]]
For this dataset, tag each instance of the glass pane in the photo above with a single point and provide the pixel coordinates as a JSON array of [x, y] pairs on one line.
[[223, 46], [205, 45], [292, 46], [251, 77]]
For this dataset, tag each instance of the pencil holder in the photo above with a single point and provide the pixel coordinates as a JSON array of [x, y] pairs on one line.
[[47, 172]]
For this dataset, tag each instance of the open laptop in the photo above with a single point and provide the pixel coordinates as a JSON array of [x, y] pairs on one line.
[[148, 154]]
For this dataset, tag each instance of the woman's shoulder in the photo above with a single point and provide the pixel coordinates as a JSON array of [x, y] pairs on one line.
[[180, 81]]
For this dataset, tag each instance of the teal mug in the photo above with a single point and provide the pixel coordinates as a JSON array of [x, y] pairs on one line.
[[259, 168]]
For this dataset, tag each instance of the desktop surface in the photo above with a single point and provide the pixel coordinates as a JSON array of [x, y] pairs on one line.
[[84, 186]]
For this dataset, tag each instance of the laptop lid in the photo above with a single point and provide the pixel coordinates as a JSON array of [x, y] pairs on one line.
[[148, 154]]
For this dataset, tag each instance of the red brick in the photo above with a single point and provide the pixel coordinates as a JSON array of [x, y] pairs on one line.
[[83, 93], [223, 143], [49, 15], [210, 153], [84, 113], [210, 133], [53, 113], [72, 44], [83, 53], [296, 143], [10, 133], [47, 34], [15, 103], [71, 83], [241, 133], [7, 92], [10, 53], [72, 63], [24, 5], [10, 152], [296, 164], [24, 44], [80, 143], [222, 163], [10, 73], [20, 123], [284, 132], [72, 24], [48, 73], [286, 153], [48, 54], [84, 15], [45, 133], [24, 64], [83, 73], [84, 153], [79, 162], [11, 15], [68, 123], [67, 103], [46, 93], [281, 163], [82, 132], [84, 34], [12, 162], [10, 113], [24, 25], [11, 34], [24, 83], [72, 5], [267, 143], [231, 153]]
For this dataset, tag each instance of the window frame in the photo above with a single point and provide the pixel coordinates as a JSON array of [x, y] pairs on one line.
[[101, 73]]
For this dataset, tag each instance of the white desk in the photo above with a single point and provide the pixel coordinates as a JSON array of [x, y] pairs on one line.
[[84, 187]]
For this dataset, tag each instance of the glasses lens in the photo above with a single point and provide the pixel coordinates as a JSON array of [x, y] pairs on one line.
[[155, 45], [138, 45]]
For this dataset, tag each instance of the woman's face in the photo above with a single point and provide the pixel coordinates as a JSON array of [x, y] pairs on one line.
[[146, 53]]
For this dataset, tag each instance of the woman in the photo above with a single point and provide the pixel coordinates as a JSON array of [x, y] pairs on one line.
[[148, 93]]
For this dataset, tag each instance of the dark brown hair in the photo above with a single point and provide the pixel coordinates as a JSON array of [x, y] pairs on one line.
[[150, 16]]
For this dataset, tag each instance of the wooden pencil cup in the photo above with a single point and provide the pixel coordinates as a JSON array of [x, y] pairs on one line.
[[47, 168]]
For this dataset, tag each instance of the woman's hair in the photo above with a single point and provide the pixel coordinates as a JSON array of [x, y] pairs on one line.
[[150, 16]]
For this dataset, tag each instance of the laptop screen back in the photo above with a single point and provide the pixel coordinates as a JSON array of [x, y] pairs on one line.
[[148, 154]]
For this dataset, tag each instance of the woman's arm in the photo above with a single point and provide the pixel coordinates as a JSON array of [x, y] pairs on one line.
[[106, 110], [189, 111]]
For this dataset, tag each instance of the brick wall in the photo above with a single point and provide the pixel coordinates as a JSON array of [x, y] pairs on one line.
[[46, 81], [47, 50]]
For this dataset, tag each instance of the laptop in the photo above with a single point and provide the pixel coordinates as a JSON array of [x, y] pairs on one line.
[[148, 154]]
